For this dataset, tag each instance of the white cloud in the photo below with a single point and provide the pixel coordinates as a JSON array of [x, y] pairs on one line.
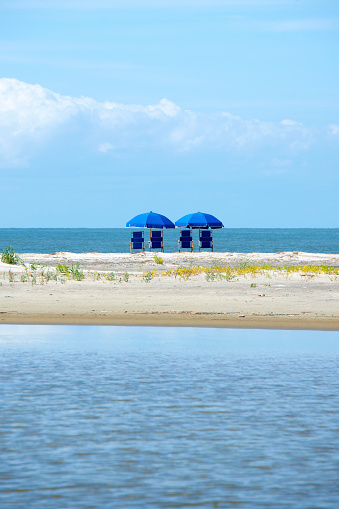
[[334, 129], [299, 25], [105, 147], [290, 123], [33, 118]]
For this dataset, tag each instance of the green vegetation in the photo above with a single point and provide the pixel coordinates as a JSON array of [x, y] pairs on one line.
[[63, 269], [158, 259], [111, 276], [185, 272], [62, 273], [51, 275], [243, 264], [76, 272], [42, 275], [72, 272], [148, 276], [24, 277], [10, 256], [217, 272], [210, 274]]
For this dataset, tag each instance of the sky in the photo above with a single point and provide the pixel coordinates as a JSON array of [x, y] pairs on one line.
[[111, 108]]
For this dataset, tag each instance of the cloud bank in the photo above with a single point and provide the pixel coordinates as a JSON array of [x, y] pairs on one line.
[[33, 118]]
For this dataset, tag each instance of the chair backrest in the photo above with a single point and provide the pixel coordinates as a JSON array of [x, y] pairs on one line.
[[156, 240], [185, 235], [137, 236], [137, 240], [186, 240], [156, 235], [205, 235], [205, 240]]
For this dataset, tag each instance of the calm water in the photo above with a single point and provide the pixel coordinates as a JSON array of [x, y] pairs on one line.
[[116, 240], [102, 417]]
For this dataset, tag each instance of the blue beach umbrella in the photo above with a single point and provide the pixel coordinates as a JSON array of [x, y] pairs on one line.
[[150, 220], [199, 220]]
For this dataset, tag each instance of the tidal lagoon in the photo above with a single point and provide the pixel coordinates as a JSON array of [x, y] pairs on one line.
[[168, 417]]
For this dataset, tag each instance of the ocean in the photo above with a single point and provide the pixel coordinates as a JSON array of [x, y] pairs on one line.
[[141, 417], [116, 240]]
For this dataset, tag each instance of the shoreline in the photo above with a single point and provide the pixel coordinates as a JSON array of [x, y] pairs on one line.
[[271, 322], [154, 294]]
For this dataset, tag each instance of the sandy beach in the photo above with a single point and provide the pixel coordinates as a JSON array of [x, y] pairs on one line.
[[132, 289]]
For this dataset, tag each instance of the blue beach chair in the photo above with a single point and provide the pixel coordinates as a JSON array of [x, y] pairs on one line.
[[185, 240], [156, 241], [205, 240], [137, 241]]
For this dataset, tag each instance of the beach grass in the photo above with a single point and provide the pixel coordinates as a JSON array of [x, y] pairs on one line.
[[63, 273], [158, 259], [10, 256]]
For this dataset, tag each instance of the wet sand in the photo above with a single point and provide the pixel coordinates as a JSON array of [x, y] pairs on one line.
[[274, 299]]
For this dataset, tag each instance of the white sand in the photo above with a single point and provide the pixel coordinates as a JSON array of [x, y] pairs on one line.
[[274, 299]]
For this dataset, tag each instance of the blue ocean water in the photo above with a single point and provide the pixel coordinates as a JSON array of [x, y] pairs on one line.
[[101, 417], [116, 240]]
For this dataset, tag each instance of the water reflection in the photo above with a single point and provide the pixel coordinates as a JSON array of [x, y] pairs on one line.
[[168, 417], [176, 339]]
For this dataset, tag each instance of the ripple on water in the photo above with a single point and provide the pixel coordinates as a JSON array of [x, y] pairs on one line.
[[140, 417]]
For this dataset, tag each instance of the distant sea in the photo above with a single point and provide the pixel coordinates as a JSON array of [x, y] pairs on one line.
[[116, 240]]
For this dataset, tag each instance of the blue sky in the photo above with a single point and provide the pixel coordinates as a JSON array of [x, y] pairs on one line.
[[112, 108]]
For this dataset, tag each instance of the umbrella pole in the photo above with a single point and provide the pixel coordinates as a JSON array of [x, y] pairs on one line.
[[199, 239], [150, 238]]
